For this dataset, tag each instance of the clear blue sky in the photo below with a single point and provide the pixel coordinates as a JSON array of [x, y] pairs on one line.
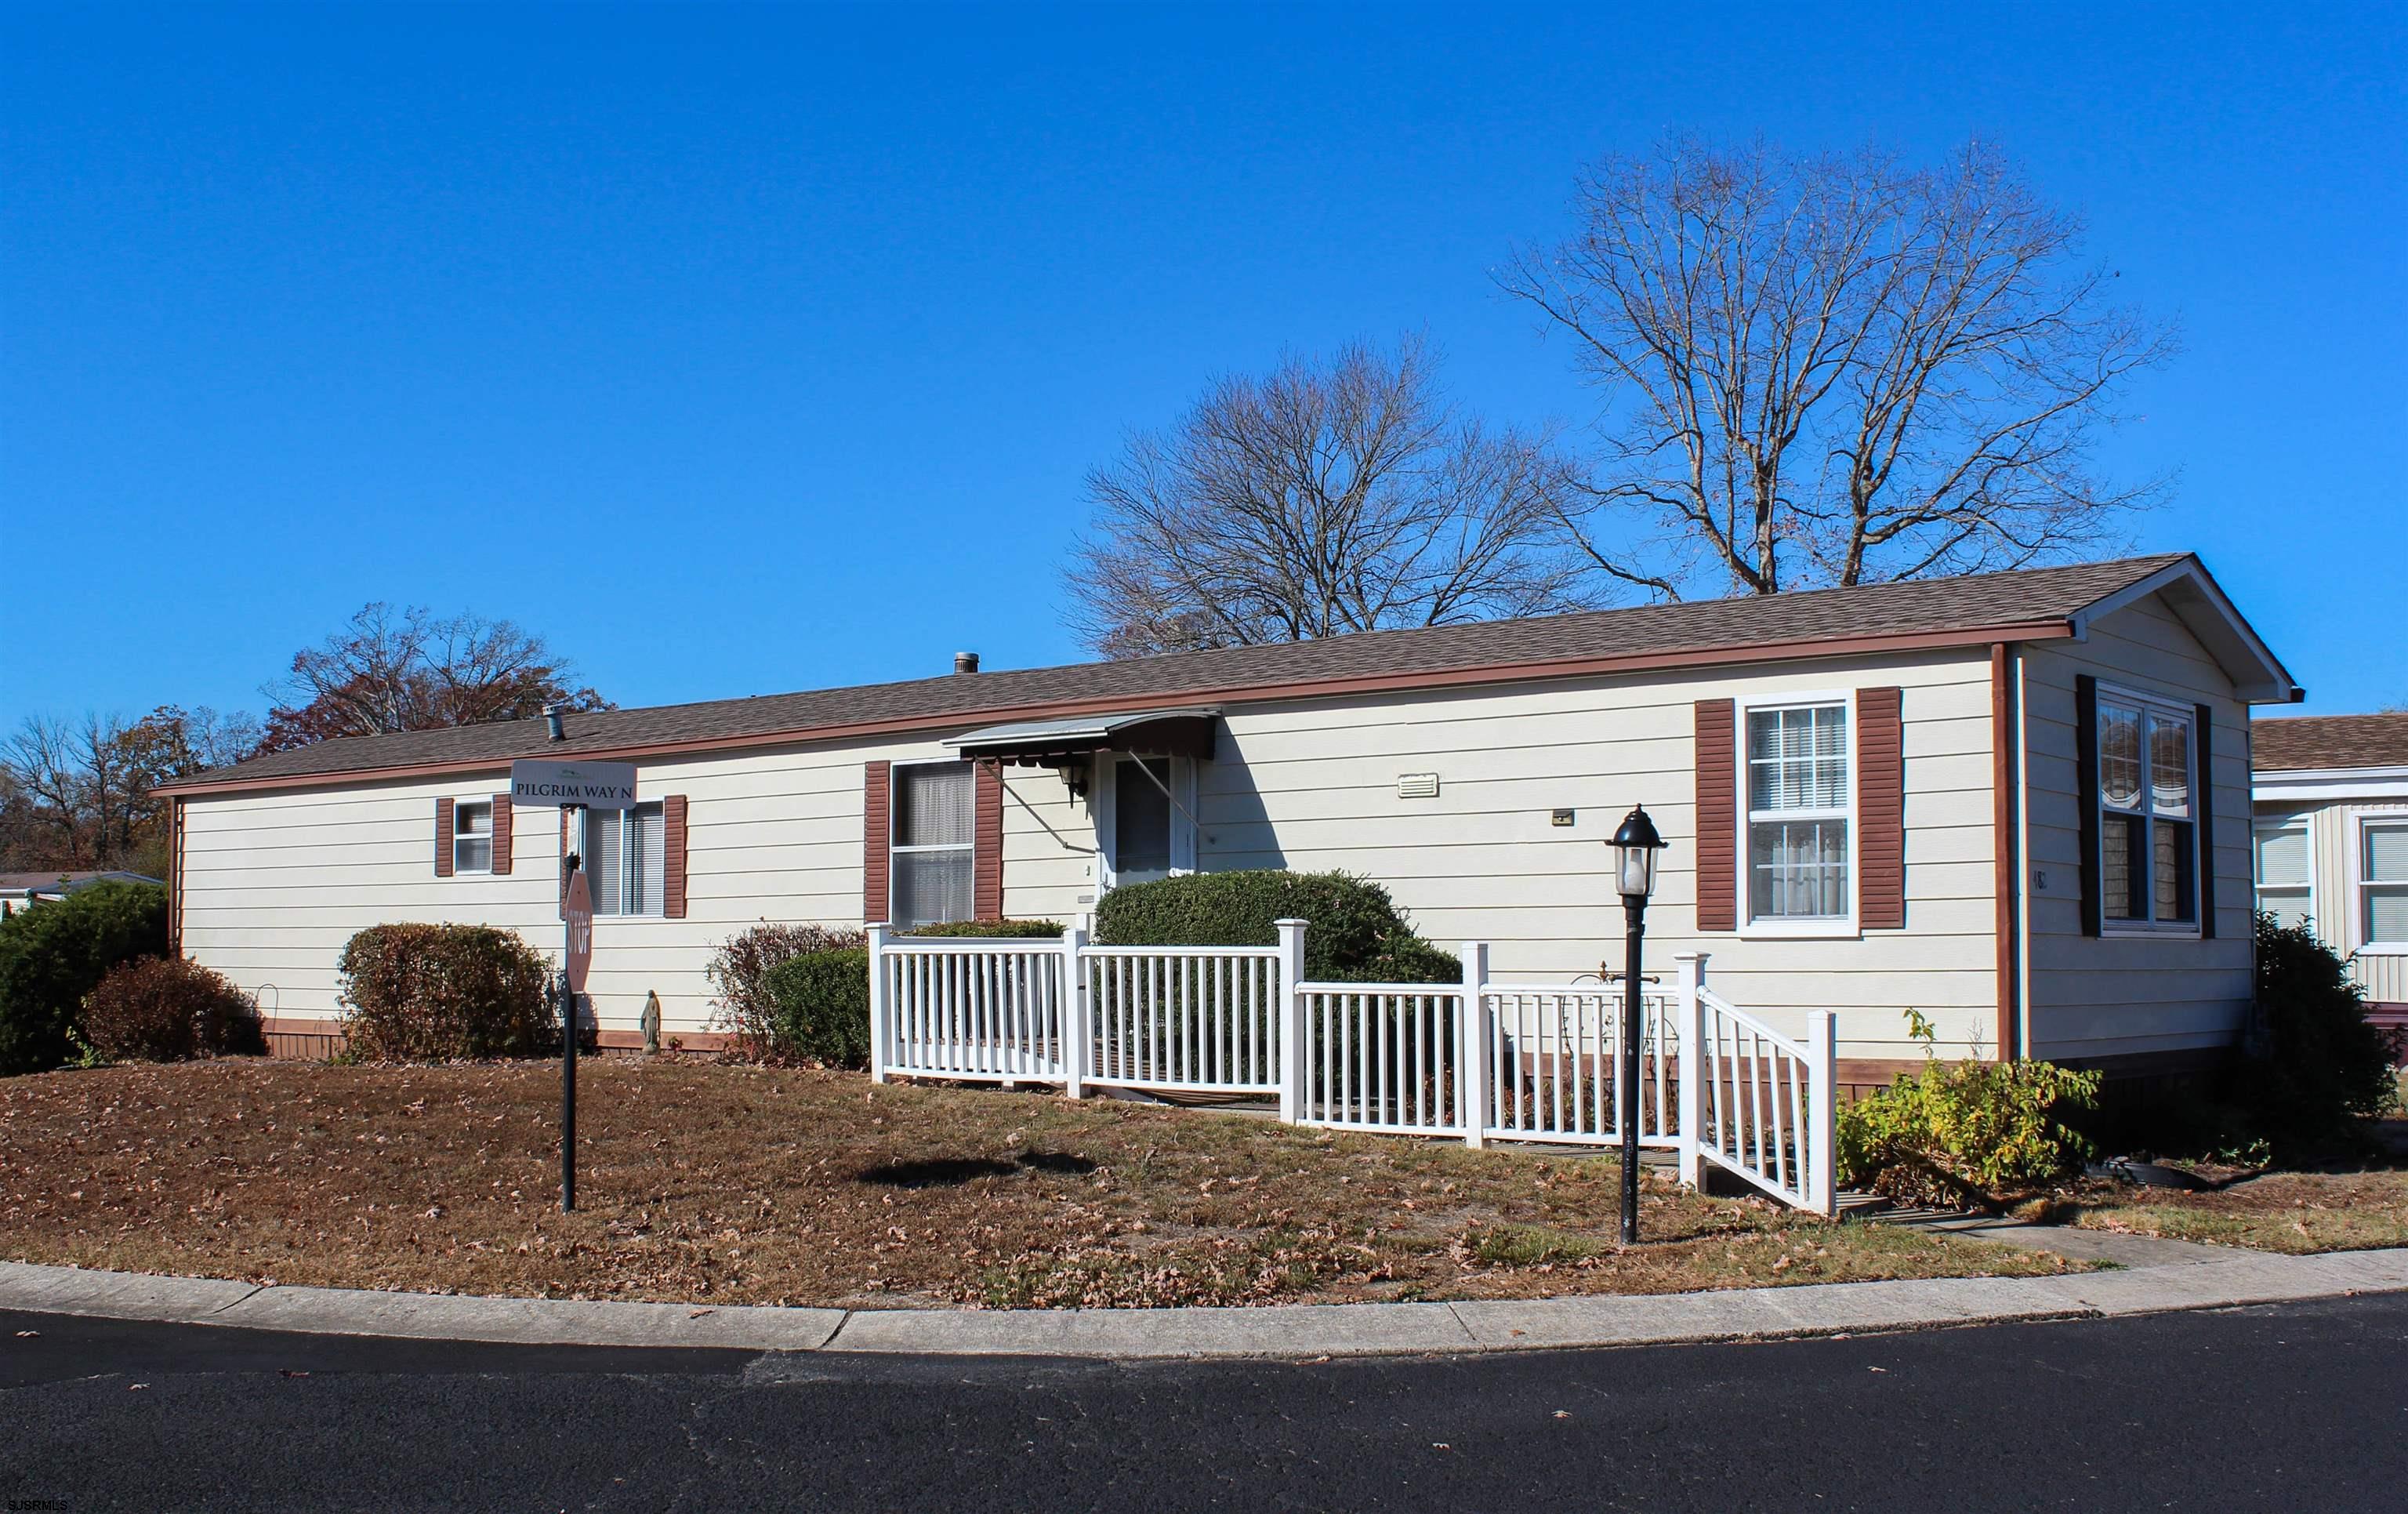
[[818, 316]]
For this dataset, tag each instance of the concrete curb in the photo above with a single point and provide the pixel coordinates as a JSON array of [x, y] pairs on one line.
[[1292, 1331]]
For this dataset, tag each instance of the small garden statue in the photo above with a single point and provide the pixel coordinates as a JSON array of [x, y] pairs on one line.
[[651, 1023]]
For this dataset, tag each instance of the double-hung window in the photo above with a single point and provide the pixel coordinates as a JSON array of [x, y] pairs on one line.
[[1798, 816], [930, 850], [2285, 887], [2383, 884], [472, 836], [626, 861], [2148, 830]]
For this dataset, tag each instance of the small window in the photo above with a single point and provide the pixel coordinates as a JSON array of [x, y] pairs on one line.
[[2383, 884], [2284, 887], [1797, 800], [625, 863], [932, 838], [472, 837], [2148, 832]]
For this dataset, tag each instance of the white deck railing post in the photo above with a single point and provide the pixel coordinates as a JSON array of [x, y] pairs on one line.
[[880, 1045], [1471, 1075], [1291, 1014], [1078, 1037], [1821, 1137], [1690, 1068]]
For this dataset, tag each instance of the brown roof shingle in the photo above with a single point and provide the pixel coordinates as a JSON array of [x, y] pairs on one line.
[[1665, 631], [2309, 741]]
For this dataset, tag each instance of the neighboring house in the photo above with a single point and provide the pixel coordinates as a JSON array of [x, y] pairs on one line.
[[22, 890], [2018, 803], [2331, 794]]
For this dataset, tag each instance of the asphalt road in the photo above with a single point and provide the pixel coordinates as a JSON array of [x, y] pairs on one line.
[[2299, 1407]]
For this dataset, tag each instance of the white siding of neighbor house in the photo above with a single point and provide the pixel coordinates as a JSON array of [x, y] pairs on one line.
[[2334, 865], [2108, 996], [274, 884]]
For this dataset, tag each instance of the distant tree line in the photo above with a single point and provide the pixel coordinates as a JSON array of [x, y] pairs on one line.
[[78, 795]]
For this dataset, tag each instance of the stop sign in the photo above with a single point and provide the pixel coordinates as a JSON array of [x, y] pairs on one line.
[[578, 910]]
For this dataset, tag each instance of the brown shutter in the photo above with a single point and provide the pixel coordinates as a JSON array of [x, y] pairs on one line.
[[1717, 817], [1881, 810], [875, 903], [443, 838], [986, 840], [2203, 722], [501, 833], [673, 857], [2086, 796]]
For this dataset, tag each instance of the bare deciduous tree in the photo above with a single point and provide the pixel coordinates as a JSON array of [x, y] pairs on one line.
[[1344, 494], [1834, 370], [406, 670]]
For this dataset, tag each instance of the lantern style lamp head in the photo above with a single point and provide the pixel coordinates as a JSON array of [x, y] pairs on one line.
[[1635, 846]]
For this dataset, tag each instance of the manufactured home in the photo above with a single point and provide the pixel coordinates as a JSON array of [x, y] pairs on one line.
[[2017, 803], [2331, 842]]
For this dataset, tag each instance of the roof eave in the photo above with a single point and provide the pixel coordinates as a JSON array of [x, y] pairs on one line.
[[2258, 677], [1822, 649]]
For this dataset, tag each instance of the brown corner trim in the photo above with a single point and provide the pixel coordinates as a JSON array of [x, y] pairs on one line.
[[2007, 866], [1513, 673]]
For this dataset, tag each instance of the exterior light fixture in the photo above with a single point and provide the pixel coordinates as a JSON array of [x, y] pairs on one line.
[[1635, 847]]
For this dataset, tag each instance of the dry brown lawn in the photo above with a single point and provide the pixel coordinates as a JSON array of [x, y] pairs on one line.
[[723, 1184], [2292, 1212]]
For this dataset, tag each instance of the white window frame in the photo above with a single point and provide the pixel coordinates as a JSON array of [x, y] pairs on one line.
[[2305, 822], [895, 849], [2359, 883], [2154, 704], [585, 823], [1103, 788], [457, 806], [1797, 927]]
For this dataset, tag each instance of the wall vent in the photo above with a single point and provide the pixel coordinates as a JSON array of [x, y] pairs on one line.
[[1417, 785]]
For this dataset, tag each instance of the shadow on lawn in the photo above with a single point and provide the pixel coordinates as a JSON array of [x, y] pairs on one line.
[[953, 1172]]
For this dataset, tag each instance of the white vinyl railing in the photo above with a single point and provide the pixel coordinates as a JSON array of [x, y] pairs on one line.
[[1478, 1059], [1185, 1018]]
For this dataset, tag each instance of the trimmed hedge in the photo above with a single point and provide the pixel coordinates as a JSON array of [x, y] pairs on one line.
[[55, 953], [744, 1008], [165, 1009], [444, 993], [822, 1007], [1356, 935]]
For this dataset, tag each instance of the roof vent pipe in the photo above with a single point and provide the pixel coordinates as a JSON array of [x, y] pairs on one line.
[[965, 662], [553, 726]]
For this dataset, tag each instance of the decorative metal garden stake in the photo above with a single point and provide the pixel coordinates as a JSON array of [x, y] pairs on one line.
[[1635, 845]]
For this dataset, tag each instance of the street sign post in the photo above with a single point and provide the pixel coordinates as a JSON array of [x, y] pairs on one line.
[[577, 911], [569, 787]]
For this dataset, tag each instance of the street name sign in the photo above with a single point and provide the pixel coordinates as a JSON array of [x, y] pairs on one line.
[[596, 786]]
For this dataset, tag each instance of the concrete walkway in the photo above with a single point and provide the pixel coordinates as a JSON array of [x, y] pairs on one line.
[[1301, 1331]]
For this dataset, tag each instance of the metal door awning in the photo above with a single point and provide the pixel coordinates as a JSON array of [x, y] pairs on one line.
[[1056, 743]]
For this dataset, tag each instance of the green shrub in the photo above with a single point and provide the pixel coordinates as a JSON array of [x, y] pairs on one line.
[[744, 1010], [983, 930], [444, 993], [2321, 1065], [1960, 1129], [1356, 935], [823, 1000], [165, 1009], [55, 953]]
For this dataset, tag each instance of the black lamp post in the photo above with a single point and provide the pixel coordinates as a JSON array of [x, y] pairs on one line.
[[1635, 846]]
